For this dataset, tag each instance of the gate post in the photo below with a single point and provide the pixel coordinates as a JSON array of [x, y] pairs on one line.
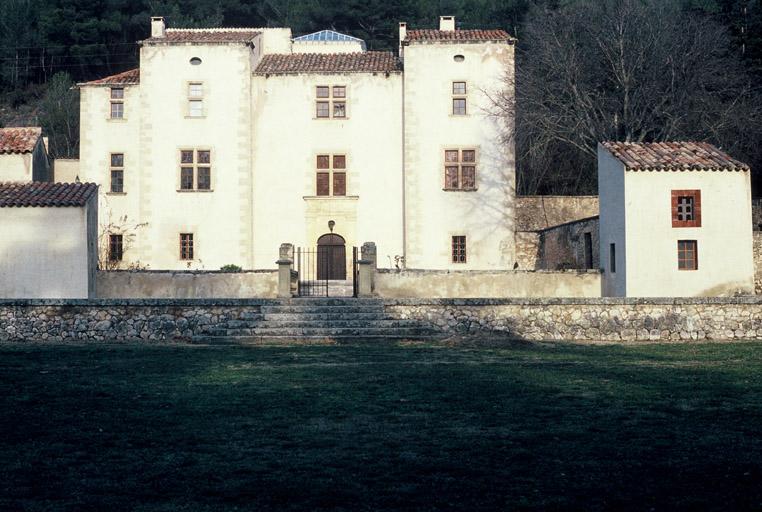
[[365, 276], [285, 261], [368, 253]]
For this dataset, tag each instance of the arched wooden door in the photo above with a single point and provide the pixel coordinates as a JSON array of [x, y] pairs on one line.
[[332, 257]]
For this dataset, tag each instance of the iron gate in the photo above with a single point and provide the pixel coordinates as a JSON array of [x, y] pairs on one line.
[[323, 272]]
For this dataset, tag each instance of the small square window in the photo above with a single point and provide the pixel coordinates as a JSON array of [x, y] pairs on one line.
[[117, 159], [323, 161], [339, 109], [686, 208], [117, 93], [204, 157], [195, 90], [339, 91], [186, 157], [459, 87], [322, 91], [451, 156], [339, 162], [469, 155], [687, 255], [323, 109], [459, 249], [459, 106]]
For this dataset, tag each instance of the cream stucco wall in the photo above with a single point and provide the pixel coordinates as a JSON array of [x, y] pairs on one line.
[[285, 172], [16, 167], [65, 170], [636, 215], [44, 253], [327, 46], [487, 284], [433, 215]]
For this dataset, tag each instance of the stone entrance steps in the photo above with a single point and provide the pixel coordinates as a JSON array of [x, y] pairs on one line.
[[339, 319]]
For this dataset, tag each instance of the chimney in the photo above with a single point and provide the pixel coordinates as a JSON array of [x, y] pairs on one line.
[[447, 23], [157, 26], [403, 35]]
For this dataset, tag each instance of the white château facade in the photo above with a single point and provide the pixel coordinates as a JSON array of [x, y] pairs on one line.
[[226, 143]]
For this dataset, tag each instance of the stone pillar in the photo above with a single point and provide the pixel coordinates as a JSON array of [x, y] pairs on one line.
[[368, 253], [365, 278], [285, 260]]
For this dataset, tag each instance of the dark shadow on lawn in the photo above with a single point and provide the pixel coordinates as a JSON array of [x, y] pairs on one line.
[[384, 427]]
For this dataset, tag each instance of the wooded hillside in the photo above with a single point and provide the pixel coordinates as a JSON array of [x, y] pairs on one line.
[[86, 39]]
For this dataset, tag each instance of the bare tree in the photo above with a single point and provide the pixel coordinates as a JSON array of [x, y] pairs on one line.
[[60, 116], [120, 226], [628, 70]]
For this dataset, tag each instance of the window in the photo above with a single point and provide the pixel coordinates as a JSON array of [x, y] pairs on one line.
[[186, 246], [115, 247], [195, 99], [195, 61], [460, 169], [195, 168], [117, 103], [612, 258], [588, 251], [331, 102], [331, 177], [687, 255], [459, 249], [459, 99], [117, 173], [686, 208]]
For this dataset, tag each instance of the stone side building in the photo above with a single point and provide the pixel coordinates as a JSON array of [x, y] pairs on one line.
[[225, 143]]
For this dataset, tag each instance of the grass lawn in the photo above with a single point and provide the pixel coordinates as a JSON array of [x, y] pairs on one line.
[[394, 427]]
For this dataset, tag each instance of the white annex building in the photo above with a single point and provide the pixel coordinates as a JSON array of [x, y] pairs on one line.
[[675, 221], [225, 143]]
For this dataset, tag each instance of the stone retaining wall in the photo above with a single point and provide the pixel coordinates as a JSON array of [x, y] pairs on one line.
[[758, 262], [589, 320], [605, 319]]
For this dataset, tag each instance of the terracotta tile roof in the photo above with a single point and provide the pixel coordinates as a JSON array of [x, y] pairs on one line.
[[430, 35], [19, 140], [45, 194], [359, 62], [131, 77], [673, 156], [206, 35]]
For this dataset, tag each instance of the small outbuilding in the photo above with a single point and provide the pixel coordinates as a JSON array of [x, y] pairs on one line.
[[675, 221], [24, 155], [48, 240]]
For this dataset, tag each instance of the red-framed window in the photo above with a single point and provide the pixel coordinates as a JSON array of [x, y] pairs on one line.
[[686, 208]]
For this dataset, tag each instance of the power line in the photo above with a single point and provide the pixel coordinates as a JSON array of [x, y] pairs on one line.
[[84, 55], [63, 46]]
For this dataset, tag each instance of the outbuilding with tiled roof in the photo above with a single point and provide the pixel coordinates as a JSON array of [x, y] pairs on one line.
[[23, 155], [675, 220], [50, 237]]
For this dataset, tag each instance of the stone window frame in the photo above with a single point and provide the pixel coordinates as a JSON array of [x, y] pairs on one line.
[[193, 99], [116, 102], [195, 166], [330, 100], [458, 166], [687, 255], [694, 196], [459, 247], [331, 172], [458, 96], [187, 247], [116, 168], [115, 247]]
